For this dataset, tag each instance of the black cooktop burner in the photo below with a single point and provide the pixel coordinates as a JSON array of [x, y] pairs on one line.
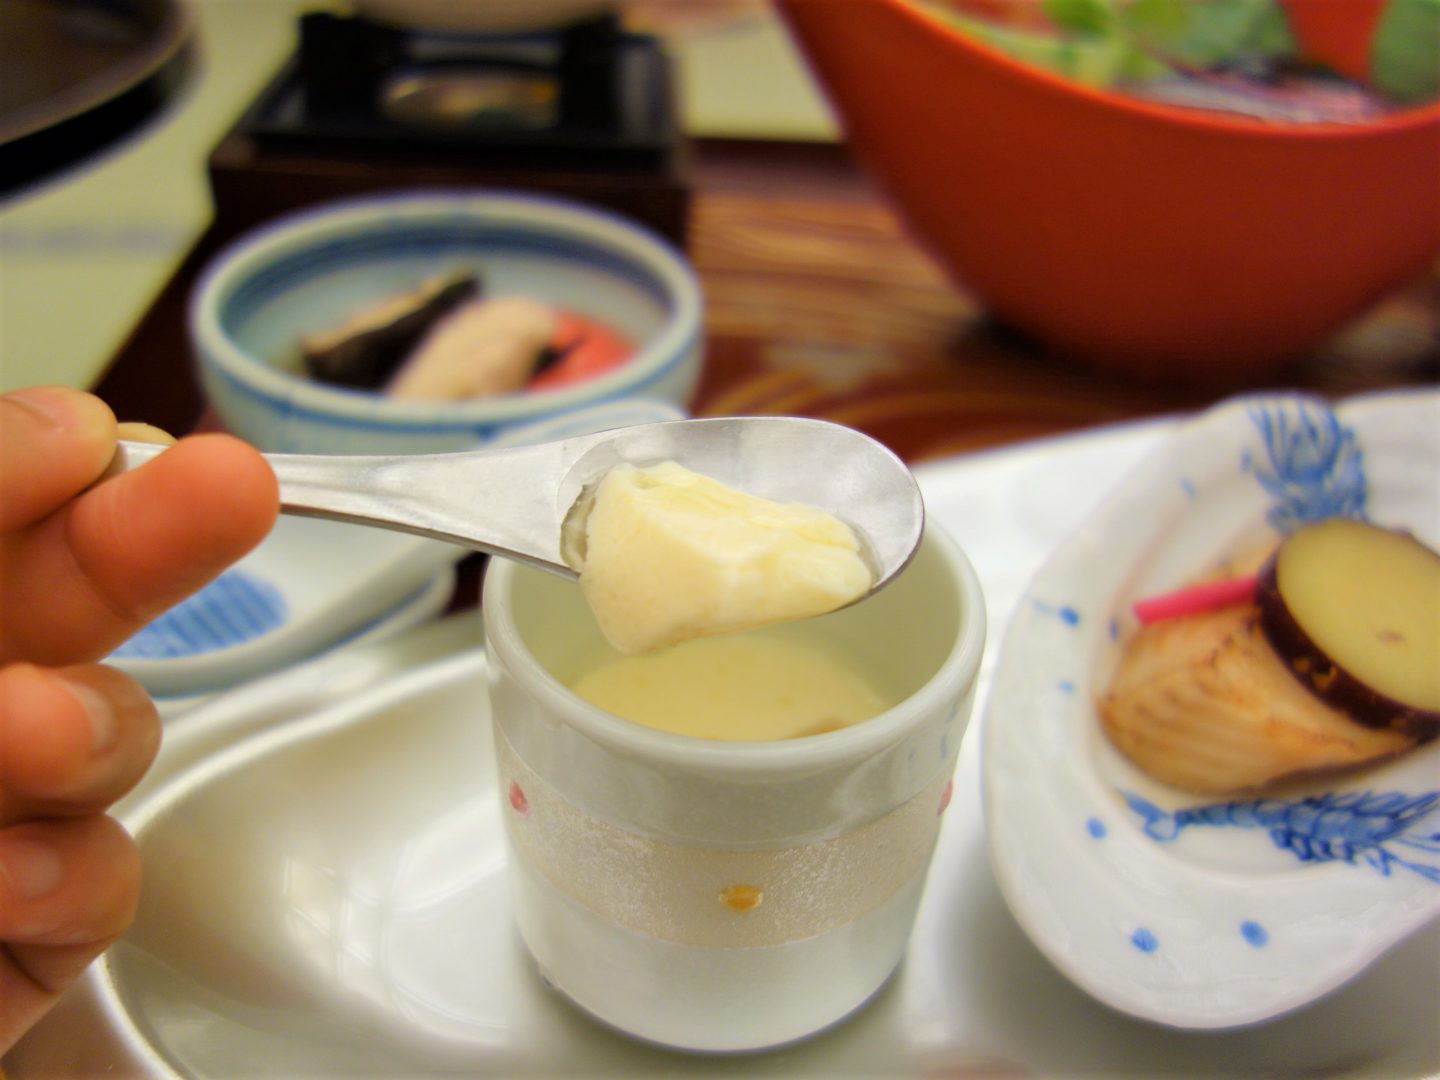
[[588, 94]]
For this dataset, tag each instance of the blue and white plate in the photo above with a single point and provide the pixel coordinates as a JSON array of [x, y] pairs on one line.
[[1194, 912], [313, 585], [309, 586]]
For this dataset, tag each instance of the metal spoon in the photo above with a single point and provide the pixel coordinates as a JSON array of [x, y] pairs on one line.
[[513, 502]]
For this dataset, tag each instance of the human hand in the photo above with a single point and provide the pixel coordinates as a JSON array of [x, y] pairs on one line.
[[82, 568]]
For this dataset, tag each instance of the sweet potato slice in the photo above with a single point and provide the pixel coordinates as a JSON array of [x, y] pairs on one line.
[[1354, 610]]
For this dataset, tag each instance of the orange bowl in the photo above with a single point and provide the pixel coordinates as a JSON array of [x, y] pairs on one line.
[[1131, 236]]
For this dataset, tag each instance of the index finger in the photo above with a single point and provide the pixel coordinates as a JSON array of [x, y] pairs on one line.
[[57, 442], [84, 579]]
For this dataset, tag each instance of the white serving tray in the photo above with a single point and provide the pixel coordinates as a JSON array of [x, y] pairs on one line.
[[326, 892]]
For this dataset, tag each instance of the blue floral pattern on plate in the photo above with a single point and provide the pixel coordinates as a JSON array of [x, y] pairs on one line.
[[1207, 914], [1313, 468], [1358, 827]]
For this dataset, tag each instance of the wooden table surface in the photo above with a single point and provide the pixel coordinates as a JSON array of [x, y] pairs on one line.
[[818, 303]]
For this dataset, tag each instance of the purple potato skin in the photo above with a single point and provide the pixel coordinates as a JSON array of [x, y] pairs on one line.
[[1326, 678]]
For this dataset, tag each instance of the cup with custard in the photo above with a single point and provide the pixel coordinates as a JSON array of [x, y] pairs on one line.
[[720, 834]]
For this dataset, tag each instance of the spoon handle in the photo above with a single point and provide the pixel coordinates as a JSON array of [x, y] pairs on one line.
[[498, 501]]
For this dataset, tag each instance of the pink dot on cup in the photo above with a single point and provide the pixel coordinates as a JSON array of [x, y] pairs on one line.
[[945, 796], [517, 798]]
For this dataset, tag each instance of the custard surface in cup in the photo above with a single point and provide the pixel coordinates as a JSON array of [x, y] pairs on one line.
[[780, 682]]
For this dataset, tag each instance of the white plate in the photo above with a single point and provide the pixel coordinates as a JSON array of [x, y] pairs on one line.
[[1193, 912], [357, 921]]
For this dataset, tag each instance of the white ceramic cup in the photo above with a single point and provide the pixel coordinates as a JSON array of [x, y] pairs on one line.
[[725, 896]]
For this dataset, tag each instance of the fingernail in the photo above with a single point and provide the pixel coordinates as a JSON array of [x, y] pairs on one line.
[[104, 726], [29, 868], [137, 431]]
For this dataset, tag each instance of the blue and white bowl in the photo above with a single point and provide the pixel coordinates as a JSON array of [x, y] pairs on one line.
[[309, 270]]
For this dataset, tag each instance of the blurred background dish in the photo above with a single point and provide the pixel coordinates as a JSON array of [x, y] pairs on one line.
[[1135, 236], [311, 271]]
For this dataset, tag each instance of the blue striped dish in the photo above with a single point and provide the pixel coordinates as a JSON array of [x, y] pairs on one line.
[[310, 270], [233, 609]]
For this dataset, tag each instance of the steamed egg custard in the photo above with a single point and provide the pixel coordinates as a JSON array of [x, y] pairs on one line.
[[780, 682], [685, 577], [670, 555]]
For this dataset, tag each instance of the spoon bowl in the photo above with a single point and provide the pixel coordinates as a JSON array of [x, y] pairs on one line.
[[513, 502]]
